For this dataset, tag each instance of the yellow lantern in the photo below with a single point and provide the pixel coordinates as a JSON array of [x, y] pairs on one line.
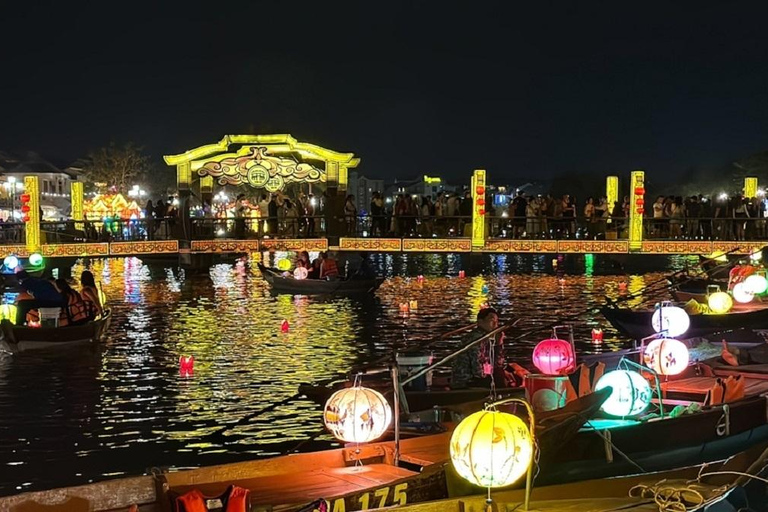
[[491, 448], [8, 312], [720, 303], [357, 414], [284, 264]]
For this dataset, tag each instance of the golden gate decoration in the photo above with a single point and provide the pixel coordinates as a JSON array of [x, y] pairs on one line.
[[77, 201], [750, 187], [612, 191], [32, 188], [478, 208], [263, 161], [637, 189], [371, 244]]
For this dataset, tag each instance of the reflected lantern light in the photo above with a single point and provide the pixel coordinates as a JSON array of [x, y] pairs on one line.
[[666, 356], [554, 357], [720, 303], [630, 393], [671, 319], [357, 414], [742, 293], [491, 448]]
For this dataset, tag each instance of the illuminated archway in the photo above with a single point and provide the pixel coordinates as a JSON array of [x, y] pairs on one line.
[[262, 161]]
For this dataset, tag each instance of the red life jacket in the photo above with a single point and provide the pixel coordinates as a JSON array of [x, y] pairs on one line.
[[329, 268], [235, 499]]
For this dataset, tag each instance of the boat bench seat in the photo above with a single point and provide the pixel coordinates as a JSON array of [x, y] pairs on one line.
[[305, 487]]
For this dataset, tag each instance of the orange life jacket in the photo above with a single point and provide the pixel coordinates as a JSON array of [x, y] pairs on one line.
[[329, 268], [235, 499], [77, 311]]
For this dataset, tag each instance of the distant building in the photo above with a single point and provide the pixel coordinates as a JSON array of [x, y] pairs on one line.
[[55, 185], [363, 188], [421, 187]]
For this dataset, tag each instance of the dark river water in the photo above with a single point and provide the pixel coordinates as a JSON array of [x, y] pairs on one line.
[[83, 414]]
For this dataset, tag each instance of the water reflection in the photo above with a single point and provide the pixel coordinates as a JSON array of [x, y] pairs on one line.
[[72, 416]]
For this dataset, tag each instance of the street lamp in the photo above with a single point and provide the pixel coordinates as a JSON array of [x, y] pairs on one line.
[[136, 191]]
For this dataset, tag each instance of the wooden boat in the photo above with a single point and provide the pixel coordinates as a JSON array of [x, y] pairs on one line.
[[636, 324], [21, 338], [294, 482], [282, 284], [716, 482]]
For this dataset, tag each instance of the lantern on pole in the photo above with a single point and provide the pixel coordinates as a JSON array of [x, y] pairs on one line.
[[630, 395], [554, 357], [670, 320], [666, 356], [357, 414]]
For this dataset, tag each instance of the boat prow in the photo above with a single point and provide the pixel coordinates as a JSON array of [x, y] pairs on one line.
[[22, 338]]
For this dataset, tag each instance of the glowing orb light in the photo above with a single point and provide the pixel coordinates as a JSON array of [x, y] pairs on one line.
[[357, 414], [491, 448], [300, 273], [554, 356], [720, 303], [757, 283], [8, 312], [284, 264], [630, 396], [11, 262], [742, 293], [666, 356], [671, 319], [35, 259]]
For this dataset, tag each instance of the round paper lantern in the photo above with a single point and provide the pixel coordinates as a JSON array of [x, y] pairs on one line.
[[671, 319], [284, 264], [630, 396], [357, 414], [300, 273], [36, 259], [742, 293], [554, 356], [666, 356], [720, 303], [491, 448], [757, 283], [8, 312], [11, 262]]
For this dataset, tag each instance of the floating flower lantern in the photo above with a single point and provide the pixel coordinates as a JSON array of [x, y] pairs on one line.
[[631, 393], [720, 303], [671, 320], [597, 335], [413, 305], [284, 264], [357, 414], [462, 274], [8, 312], [11, 262], [404, 307], [300, 273], [623, 286], [757, 283], [285, 326], [186, 365], [742, 293], [420, 279], [666, 356], [554, 357], [491, 448]]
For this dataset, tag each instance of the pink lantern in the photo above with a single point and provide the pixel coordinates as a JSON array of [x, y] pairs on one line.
[[420, 279], [186, 366], [597, 335], [285, 326], [462, 275], [554, 357]]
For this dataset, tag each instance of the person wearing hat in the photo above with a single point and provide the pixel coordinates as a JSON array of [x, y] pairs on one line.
[[474, 367], [36, 293]]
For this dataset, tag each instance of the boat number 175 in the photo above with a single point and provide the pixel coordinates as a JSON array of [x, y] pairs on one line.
[[380, 498]]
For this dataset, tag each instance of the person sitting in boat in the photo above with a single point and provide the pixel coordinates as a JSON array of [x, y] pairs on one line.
[[473, 367], [36, 293], [89, 291], [303, 261], [76, 310], [737, 357], [328, 268]]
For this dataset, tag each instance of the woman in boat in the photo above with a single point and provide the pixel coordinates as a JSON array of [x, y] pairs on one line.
[[76, 311], [303, 261], [89, 291], [736, 357]]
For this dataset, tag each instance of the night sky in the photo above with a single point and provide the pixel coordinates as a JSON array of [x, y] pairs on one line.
[[525, 90]]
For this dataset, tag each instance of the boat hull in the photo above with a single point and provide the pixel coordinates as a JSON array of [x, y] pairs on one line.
[[280, 284], [20, 339]]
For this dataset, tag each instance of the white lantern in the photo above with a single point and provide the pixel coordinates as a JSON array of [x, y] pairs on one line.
[[671, 319], [742, 293], [666, 356], [630, 393], [300, 273], [491, 448], [357, 414], [757, 283]]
